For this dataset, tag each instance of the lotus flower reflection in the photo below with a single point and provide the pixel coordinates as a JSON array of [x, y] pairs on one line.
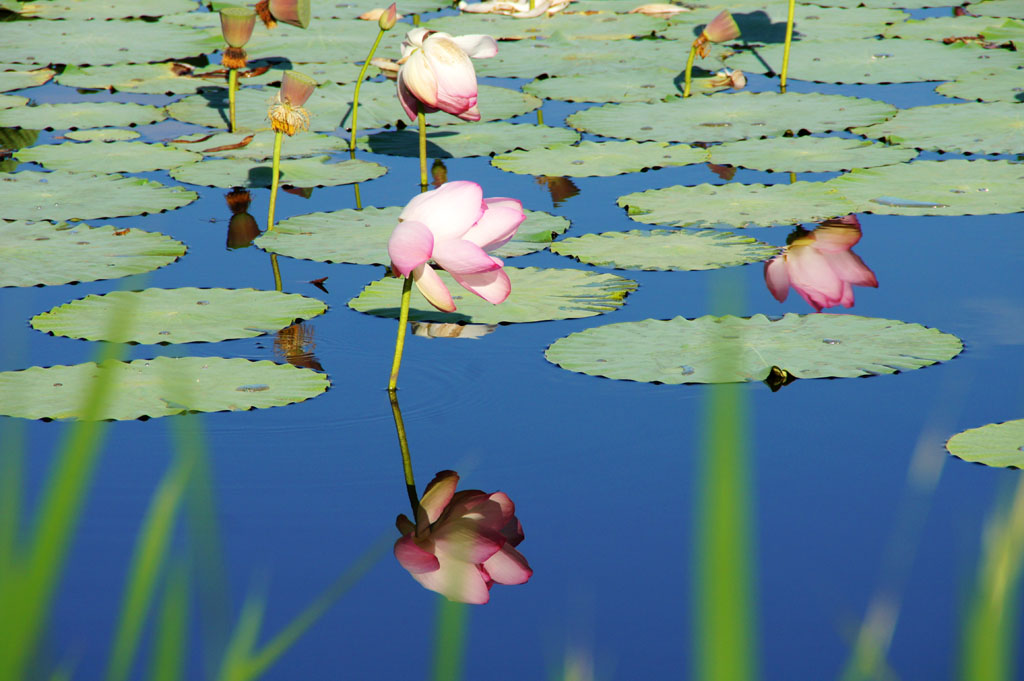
[[455, 227], [462, 542], [436, 70]]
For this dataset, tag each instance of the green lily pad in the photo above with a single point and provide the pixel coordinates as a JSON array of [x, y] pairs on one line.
[[736, 350], [900, 4], [479, 139], [998, 8], [737, 205], [808, 154], [726, 117], [19, 79], [115, 157], [935, 188], [623, 84], [562, 56], [974, 128], [181, 315], [874, 61], [62, 195], [575, 26], [151, 388], [38, 253], [297, 172], [102, 135], [663, 249], [997, 444], [12, 101], [768, 23], [361, 236], [537, 295], [261, 146], [1009, 30], [937, 28], [987, 85], [97, 10], [596, 159], [72, 115]]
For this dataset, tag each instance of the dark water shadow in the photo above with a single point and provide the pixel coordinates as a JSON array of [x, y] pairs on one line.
[[406, 143]]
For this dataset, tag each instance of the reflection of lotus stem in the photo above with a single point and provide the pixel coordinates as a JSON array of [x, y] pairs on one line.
[[423, 147], [359, 84], [277, 271], [540, 116], [275, 173], [689, 67], [785, 52], [403, 443], [232, 84], [403, 321]]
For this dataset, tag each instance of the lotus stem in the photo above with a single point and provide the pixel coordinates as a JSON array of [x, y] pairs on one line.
[[403, 321], [785, 51], [403, 443], [359, 84], [275, 174], [422, 120], [232, 85], [540, 116], [531, 4], [277, 272], [689, 67]]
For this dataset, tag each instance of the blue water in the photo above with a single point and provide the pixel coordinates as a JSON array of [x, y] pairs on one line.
[[604, 473]]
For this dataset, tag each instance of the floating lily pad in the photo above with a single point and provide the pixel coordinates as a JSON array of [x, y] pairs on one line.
[[874, 61], [38, 253], [576, 26], [479, 139], [935, 188], [562, 56], [12, 101], [297, 172], [726, 117], [974, 128], [987, 85], [902, 4], [736, 350], [102, 135], [808, 154], [361, 236], [623, 84], [62, 195], [537, 295], [115, 157], [97, 10], [662, 249], [997, 444], [998, 8], [767, 23], [19, 79], [1009, 30], [151, 388], [737, 205], [594, 159], [181, 315], [937, 28], [71, 115], [261, 145]]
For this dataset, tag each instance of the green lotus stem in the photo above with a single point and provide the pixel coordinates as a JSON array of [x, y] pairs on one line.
[[423, 147], [689, 67], [359, 84], [785, 51], [403, 321], [232, 85], [277, 271], [792, 175], [403, 443], [275, 174], [540, 116], [531, 4], [415, 19]]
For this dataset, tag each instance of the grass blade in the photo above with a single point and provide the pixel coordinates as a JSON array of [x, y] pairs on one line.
[[171, 636]]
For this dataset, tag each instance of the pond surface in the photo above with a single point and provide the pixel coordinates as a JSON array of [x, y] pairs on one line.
[[851, 502]]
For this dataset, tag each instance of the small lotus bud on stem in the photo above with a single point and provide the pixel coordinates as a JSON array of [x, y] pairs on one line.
[[388, 19]]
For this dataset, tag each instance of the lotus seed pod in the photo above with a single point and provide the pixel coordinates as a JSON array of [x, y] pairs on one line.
[[296, 88], [722, 28], [294, 12], [236, 24]]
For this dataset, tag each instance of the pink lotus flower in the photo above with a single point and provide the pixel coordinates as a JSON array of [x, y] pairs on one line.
[[462, 542], [436, 70], [820, 266], [455, 227]]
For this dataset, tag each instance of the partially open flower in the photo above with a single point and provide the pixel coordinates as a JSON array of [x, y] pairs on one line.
[[294, 12], [286, 114], [236, 24], [721, 29], [436, 70]]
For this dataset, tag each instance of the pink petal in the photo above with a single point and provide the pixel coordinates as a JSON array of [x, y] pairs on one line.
[[508, 566], [496, 227], [410, 245], [493, 287], [463, 257], [414, 558], [835, 236], [456, 581], [418, 77], [809, 271], [470, 114], [465, 540], [455, 77], [776, 277], [846, 300], [851, 268], [449, 211], [433, 289], [408, 100], [438, 494], [477, 46]]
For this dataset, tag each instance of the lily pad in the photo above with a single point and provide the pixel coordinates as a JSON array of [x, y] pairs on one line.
[[62, 195], [598, 159], [623, 84], [767, 23], [12, 101], [955, 187], [261, 145], [480, 139], [537, 295], [117, 157], [736, 350], [901, 4], [151, 388], [938, 28], [973, 128], [297, 172], [102, 135], [181, 315], [808, 154], [19, 79], [998, 8], [737, 205], [37, 253], [662, 249], [575, 26], [72, 115], [562, 56], [987, 85], [997, 444], [726, 117], [361, 236], [97, 10]]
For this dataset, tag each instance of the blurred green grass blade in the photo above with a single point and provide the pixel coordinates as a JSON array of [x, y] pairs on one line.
[[243, 640], [10, 502], [450, 644], [171, 636]]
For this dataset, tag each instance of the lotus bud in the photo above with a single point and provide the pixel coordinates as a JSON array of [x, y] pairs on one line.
[[238, 200], [286, 114], [389, 18], [722, 28]]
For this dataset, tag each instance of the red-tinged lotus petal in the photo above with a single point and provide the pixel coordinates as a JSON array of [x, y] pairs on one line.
[[776, 277], [466, 540], [438, 494], [813, 298], [470, 114], [851, 269], [477, 46], [410, 245], [508, 566], [448, 211], [508, 509], [493, 287], [497, 226], [414, 558], [456, 581], [846, 300], [433, 289], [810, 272], [463, 257]]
